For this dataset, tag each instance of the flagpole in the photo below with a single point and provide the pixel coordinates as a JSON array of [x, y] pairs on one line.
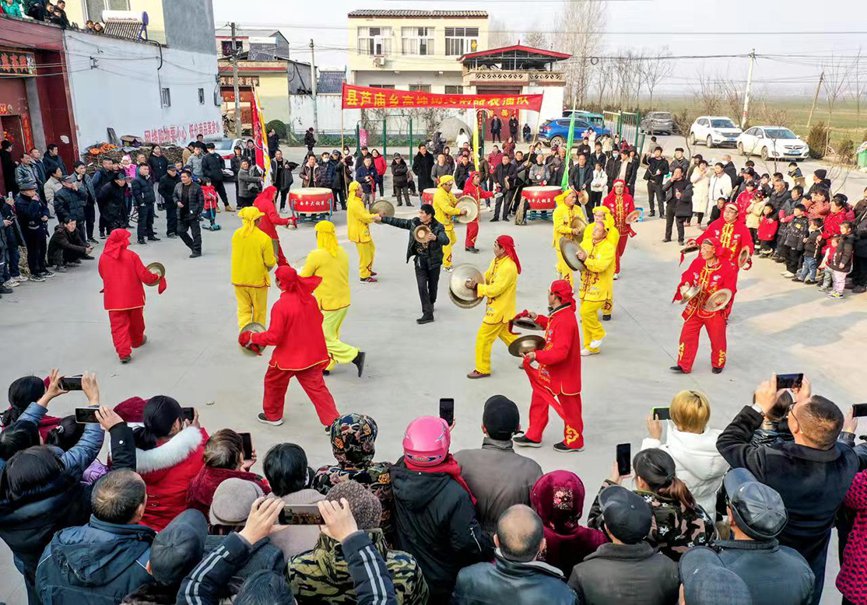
[[564, 184]]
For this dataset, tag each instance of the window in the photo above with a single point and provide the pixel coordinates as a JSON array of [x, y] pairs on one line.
[[388, 86], [374, 41], [417, 40], [461, 40], [454, 90], [95, 7], [419, 87], [201, 96], [226, 47], [165, 97]]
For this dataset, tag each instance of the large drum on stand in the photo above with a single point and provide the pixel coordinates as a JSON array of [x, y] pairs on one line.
[[427, 195], [311, 203], [540, 201]]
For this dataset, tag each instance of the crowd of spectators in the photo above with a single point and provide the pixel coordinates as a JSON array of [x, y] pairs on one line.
[[176, 514]]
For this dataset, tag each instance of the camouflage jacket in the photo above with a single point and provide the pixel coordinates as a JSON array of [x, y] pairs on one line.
[[321, 576]]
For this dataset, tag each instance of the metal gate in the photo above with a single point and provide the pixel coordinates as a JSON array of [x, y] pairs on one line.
[[384, 130], [625, 125]]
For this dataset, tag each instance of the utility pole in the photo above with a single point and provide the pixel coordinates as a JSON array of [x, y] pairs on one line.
[[235, 85], [313, 87], [815, 99], [745, 115]]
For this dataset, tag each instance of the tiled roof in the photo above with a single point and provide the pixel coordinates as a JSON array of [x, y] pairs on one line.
[[420, 13]]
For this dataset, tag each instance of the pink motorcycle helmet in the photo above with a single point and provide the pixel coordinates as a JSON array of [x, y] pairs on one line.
[[426, 441]]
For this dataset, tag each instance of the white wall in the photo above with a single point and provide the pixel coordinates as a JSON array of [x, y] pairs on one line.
[[116, 84], [552, 105], [301, 114]]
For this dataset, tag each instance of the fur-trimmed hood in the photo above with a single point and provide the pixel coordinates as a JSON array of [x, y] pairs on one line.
[[172, 452]]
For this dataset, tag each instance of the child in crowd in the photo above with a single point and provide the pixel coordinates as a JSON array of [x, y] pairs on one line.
[[765, 184], [827, 261], [754, 214], [211, 205], [840, 264], [812, 252], [767, 231], [716, 211], [793, 241]]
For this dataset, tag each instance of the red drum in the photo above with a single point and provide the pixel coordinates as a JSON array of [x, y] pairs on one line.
[[311, 200], [428, 194], [541, 197]]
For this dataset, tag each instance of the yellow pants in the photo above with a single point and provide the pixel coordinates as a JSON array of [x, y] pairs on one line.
[[338, 351], [593, 329], [564, 271], [485, 338], [366, 252], [447, 249], [252, 305]]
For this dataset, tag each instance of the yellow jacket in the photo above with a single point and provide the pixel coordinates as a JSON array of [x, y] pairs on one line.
[[333, 293], [563, 216], [501, 286], [444, 207], [357, 220], [597, 280], [613, 235], [252, 258]]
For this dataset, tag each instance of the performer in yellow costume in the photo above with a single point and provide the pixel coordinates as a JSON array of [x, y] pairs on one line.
[[501, 285], [602, 214], [331, 263], [597, 282], [357, 221], [564, 214], [252, 259], [444, 209]]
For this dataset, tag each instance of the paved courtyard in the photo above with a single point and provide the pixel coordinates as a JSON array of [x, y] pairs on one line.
[[192, 353]]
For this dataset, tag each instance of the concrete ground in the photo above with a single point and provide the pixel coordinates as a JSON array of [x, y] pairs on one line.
[[192, 353]]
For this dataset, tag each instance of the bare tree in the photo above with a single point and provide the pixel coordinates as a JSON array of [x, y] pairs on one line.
[[538, 39], [603, 75], [499, 34], [837, 72], [708, 95], [589, 16], [656, 69], [859, 86]]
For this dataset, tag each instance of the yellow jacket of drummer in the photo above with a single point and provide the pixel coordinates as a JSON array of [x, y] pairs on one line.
[[563, 216], [357, 219], [444, 207], [332, 293], [608, 221], [501, 288], [252, 253], [597, 279]]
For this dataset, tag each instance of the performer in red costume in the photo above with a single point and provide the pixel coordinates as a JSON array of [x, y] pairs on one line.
[[711, 271], [123, 274], [556, 382], [732, 234], [300, 351], [265, 204], [621, 204], [472, 188]]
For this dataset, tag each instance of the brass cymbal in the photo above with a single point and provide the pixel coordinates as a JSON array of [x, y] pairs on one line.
[[463, 304], [718, 300], [632, 217], [569, 250], [257, 328], [525, 344], [383, 207], [420, 233], [690, 247], [527, 324], [469, 204], [158, 268], [457, 282], [687, 293], [743, 257], [578, 222]]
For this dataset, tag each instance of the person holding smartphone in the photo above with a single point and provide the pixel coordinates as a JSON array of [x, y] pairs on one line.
[[556, 382]]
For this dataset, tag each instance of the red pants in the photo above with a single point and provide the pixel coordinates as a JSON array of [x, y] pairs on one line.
[[716, 331], [621, 248], [277, 381], [278, 251], [472, 233], [127, 330], [568, 407]]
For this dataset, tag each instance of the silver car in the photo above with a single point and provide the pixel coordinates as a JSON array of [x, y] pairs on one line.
[[657, 122]]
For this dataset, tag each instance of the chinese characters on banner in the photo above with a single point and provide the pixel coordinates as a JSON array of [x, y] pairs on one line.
[[182, 133], [17, 63], [363, 97]]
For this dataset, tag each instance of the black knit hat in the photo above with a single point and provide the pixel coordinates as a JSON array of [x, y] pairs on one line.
[[501, 418]]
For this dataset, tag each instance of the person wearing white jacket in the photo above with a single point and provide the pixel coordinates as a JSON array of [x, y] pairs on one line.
[[700, 179], [720, 186], [692, 446]]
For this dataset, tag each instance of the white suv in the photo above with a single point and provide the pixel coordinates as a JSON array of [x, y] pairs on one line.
[[714, 131]]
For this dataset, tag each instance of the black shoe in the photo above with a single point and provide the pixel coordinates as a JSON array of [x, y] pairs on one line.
[[717, 370], [171, 236], [102, 236], [141, 241], [424, 319], [195, 255], [5, 290], [652, 214], [680, 242], [326, 372], [859, 290], [565, 449], [153, 238], [400, 203], [665, 241], [606, 317], [264, 420], [522, 441], [90, 240], [495, 220], [677, 370], [359, 362], [408, 204], [126, 359]]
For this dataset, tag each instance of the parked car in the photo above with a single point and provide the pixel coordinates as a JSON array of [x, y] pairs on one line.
[[775, 142], [556, 132], [657, 122], [713, 131], [597, 119], [225, 147]]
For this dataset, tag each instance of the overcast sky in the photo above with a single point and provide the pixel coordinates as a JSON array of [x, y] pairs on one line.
[[795, 27]]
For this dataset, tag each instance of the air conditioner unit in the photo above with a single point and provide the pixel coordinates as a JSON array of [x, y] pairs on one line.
[[379, 61]]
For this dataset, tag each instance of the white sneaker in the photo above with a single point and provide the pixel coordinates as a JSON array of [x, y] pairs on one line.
[[595, 344], [11, 284], [616, 276], [21, 279], [788, 274], [588, 352]]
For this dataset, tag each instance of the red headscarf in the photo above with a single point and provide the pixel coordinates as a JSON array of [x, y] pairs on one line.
[[268, 193], [508, 244], [117, 242], [719, 250], [288, 280], [563, 290]]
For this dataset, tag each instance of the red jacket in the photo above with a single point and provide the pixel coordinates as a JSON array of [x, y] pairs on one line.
[[768, 229], [123, 274], [733, 236], [852, 581], [560, 358], [264, 203], [711, 279], [379, 164], [167, 471], [832, 223], [620, 210], [295, 331], [208, 479], [743, 202]]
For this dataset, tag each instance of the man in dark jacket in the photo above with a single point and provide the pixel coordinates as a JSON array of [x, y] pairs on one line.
[[657, 168], [497, 476], [581, 174], [400, 180], [422, 165], [629, 571], [823, 465], [612, 168], [212, 168], [33, 218], [52, 160], [598, 156], [106, 559], [273, 143], [730, 169], [496, 129], [514, 125], [678, 195], [111, 200], [462, 171], [679, 161], [166, 190], [143, 198], [70, 202], [66, 246], [859, 273], [427, 255], [772, 573], [190, 200], [13, 237], [506, 179], [517, 576]]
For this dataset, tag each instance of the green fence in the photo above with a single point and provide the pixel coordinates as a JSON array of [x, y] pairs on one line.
[[626, 125]]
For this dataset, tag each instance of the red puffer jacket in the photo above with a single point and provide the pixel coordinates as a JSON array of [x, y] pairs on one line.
[[852, 579], [167, 471]]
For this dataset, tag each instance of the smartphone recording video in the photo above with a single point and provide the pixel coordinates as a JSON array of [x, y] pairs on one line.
[[789, 381], [301, 514], [247, 445], [86, 416], [661, 413], [71, 383], [447, 410], [624, 458]]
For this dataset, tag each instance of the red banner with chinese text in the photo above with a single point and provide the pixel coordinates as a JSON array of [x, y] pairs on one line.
[[363, 97]]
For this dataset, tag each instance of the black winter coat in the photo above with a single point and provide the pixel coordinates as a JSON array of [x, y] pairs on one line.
[[861, 228], [193, 207], [842, 260], [436, 523], [578, 181], [461, 174], [399, 171], [421, 166], [142, 192], [112, 200], [683, 207], [159, 165], [12, 231], [66, 241], [796, 231], [212, 167], [70, 203], [512, 582], [166, 187], [434, 250], [281, 175]]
